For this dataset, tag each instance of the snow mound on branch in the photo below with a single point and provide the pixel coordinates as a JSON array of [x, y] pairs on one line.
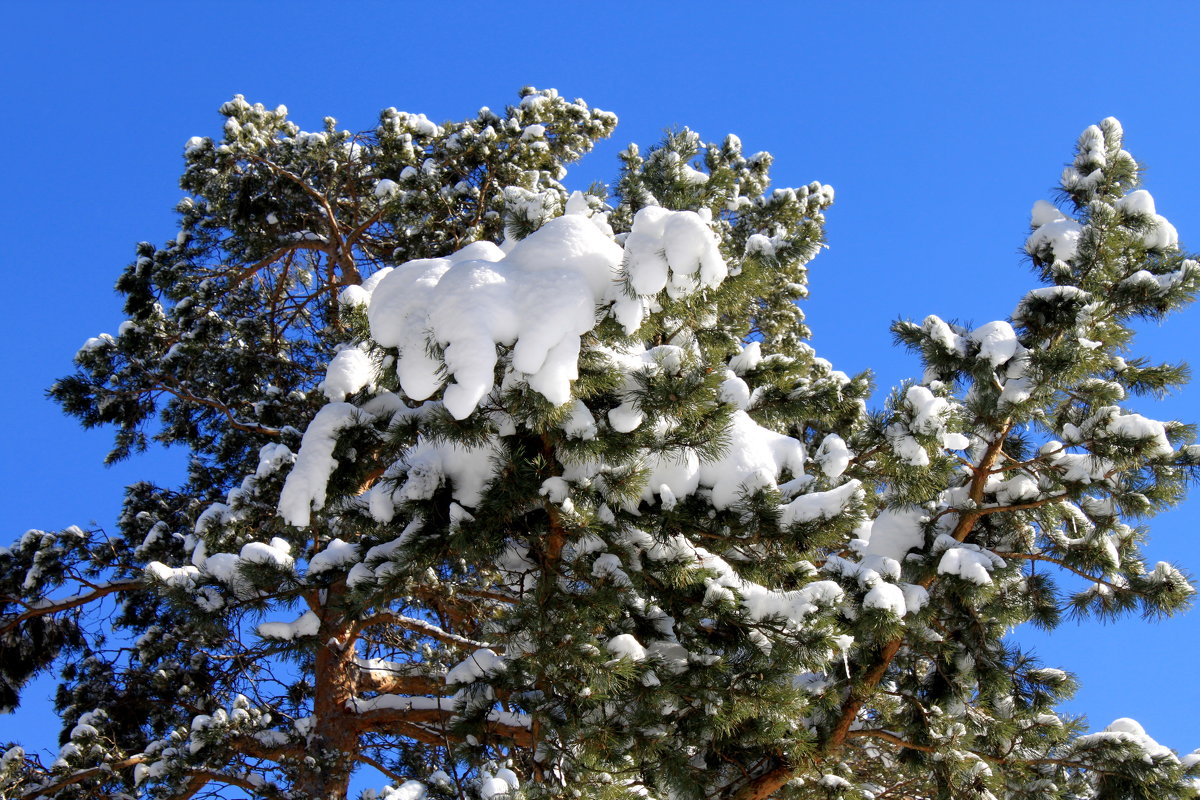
[[760, 602], [1159, 284], [1053, 229], [308, 625], [336, 554], [886, 596], [360, 294], [755, 458], [350, 370], [431, 463], [447, 316], [1127, 731], [504, 781], [626, 646], [929, 418], [940, 332], [747, 359], [276, 553], [305, 488], [997, 342], [580, 424], [409, 790], [538, 299], [967, 561], [833, 455], [822, 505], [893, 533], [480, 664], [1161, 234], [1135, 426], [672, 250]]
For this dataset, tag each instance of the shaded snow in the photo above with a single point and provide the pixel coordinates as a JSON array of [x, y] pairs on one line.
[[308, 625]]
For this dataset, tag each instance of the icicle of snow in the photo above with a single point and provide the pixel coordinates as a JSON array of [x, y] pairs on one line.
[[304, 489]]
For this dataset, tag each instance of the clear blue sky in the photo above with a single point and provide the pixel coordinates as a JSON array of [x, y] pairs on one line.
[[938, 124]]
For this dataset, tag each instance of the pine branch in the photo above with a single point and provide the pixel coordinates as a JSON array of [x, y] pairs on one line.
[[417, 626], [384, 720], [1064, 565], [202, 777], [962, 529], [363, 758], [891, 738], [46, 607], [48, 789], [383, 682], [234, 422], [340, 251], [286, 250]]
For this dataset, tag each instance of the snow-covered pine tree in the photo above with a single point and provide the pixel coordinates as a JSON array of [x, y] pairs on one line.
[[576, 511]]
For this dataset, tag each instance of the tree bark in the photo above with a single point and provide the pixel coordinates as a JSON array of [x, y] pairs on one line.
[[334, 741]]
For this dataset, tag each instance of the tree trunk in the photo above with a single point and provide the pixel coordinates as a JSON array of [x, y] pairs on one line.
[[333, 742]]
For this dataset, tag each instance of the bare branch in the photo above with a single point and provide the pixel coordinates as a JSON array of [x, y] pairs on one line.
[[202, 777], [366, 759]]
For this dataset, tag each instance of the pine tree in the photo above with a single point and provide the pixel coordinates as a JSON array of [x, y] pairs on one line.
[[509, 492]]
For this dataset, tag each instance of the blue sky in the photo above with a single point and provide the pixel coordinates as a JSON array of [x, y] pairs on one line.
[[938, 124]]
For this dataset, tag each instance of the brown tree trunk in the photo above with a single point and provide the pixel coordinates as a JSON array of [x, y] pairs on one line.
[[333, 741]]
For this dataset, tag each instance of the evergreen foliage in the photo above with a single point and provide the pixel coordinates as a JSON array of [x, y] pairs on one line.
[[504, 491]]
